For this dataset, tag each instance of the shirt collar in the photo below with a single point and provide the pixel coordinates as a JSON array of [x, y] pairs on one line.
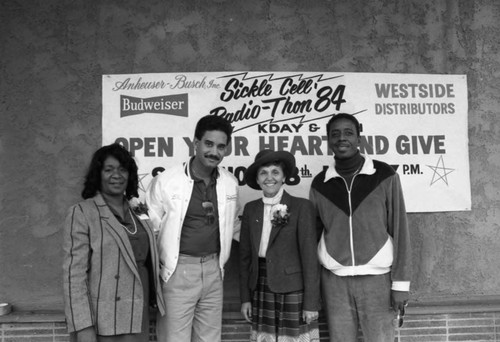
[[215, 173], [273, 200], [367, 169]]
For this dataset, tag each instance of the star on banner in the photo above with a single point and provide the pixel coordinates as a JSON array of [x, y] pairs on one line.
[[440, 171], [141, 177]]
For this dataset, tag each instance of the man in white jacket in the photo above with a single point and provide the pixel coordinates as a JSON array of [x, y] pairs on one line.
[[195, 207]]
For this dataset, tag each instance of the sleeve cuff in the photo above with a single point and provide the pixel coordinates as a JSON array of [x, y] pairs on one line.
[[401, 286]]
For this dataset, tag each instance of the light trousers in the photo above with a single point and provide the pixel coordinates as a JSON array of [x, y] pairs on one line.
[[193, 300], [358, 302]]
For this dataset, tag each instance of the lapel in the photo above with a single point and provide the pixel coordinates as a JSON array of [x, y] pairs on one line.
[[111, 224], [256, 225], [146, 223], [285, 199], [220, 189]]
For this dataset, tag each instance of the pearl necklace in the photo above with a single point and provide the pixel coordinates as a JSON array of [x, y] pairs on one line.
[[133, 221]]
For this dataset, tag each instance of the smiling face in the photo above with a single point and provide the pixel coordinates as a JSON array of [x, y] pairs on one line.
[[270, 179], [343, 138], [114, 177], [211, 149]]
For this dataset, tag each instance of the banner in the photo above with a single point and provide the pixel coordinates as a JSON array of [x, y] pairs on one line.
[[416, 123]]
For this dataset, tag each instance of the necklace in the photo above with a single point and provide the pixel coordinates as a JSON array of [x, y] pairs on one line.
[[133, 221]]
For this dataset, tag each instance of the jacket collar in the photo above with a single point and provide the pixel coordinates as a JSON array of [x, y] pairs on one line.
[[111, 224], [367, 169], [285, 199], [104, 210], [109, 218], [259, 211], [187, 170]]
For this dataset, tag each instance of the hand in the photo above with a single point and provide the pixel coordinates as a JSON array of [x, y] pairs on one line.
[[399, 299], [309, 316], [86, 335], [246, 311]]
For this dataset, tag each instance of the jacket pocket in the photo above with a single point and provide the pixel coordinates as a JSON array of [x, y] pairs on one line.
[[293, 269]]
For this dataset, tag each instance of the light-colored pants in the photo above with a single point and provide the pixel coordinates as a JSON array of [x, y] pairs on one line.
[[193, 300], [358, 301]]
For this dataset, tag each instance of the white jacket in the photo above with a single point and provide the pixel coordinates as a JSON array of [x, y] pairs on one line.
[[168, 198]]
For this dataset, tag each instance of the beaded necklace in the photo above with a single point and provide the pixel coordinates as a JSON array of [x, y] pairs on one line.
[[133, 221]]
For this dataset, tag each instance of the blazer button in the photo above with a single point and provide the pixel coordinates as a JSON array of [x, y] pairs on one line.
[[118, 298], [117, 276]]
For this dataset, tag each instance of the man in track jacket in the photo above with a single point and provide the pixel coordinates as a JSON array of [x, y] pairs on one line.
[[365, 242], [195, 207]]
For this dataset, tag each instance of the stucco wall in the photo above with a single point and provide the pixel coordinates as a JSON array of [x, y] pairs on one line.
[[53, 53]]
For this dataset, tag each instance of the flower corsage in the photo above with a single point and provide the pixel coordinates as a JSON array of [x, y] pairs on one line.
[[280, 215], [139, 208]]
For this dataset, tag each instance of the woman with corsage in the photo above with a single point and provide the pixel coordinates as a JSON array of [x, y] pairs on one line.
[[279, 269], [110, 265]]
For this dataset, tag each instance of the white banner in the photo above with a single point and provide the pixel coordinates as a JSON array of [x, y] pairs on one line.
[[417, 123]]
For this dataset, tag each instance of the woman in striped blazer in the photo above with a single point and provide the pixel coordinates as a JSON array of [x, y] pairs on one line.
[[110, 265]]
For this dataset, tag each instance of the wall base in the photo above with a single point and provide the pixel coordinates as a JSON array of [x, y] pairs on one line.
[[424, 322]]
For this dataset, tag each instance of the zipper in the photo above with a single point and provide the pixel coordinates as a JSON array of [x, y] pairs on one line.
[[351, 238]]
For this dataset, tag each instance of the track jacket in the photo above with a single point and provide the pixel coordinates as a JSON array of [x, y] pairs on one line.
[[365, 230], [168, 198]]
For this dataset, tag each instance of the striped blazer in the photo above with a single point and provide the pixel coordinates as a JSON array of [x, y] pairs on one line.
[[102, 287]]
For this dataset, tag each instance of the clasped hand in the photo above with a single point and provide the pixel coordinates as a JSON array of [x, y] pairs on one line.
[[309, 316]]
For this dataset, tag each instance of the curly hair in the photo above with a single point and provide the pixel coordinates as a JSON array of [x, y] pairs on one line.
[[93, 178]]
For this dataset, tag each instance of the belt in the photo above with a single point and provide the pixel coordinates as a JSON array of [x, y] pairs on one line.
[[189, 259]]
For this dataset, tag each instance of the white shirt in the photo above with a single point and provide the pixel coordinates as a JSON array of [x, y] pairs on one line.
[[269, 202]]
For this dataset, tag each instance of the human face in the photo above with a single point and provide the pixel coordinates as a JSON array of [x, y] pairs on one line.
[[211, 149], [343, 138], [114, 177], [270, 178]]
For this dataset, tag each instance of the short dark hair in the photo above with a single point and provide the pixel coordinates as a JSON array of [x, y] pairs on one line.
[[93, 178], [339, 116], [213, 123]]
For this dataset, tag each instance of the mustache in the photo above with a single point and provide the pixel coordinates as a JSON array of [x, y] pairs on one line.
[[212, 156]]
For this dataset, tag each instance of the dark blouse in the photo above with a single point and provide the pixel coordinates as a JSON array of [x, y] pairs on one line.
[[140, 245]]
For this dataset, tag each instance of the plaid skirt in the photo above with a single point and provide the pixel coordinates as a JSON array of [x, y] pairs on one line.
[[277, 317]]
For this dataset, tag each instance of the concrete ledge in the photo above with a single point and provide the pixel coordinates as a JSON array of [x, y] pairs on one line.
[[446, 306], [33, 317], [58, 317], [454, 306]]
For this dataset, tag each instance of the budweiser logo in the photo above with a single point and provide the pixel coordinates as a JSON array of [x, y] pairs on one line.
[[168, 104]]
